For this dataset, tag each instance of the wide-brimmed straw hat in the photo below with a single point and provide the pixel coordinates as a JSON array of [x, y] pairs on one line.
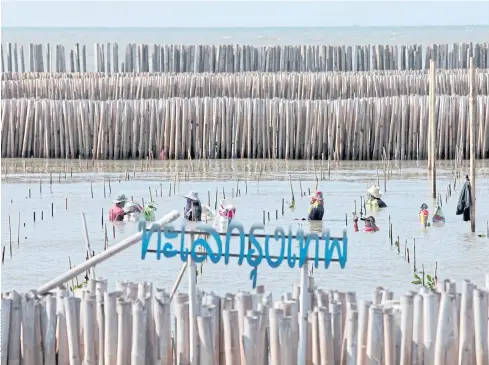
[[120, 199], [375, 191], [192, 196]]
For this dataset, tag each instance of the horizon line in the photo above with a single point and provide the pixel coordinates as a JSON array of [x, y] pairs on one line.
[[244, 27]]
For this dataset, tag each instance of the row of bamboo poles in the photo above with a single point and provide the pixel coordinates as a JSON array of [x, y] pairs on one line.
[[133, 326], [343, 129], [240, 58], [83, 75], [329, 85]]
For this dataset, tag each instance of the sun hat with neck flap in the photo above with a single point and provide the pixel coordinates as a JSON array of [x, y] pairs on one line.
[[192, 196], [375, 192], [121, 198]]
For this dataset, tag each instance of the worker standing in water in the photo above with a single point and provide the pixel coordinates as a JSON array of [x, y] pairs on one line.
[[193, 208], [116, 213], [373, 198], [424, 214], [316, 207]]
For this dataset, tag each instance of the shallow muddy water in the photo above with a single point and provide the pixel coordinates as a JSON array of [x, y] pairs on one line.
[[41, 250]]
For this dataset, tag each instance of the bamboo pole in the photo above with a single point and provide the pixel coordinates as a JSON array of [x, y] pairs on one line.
[[170, 217], [472, 123], [432, 123]]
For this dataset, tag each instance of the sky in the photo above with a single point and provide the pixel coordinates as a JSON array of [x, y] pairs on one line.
[[233, 13]]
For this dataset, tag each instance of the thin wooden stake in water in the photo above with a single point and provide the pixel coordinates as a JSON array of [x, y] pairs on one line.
[[87, 240], [10, 235], [322, 163], [18, 232], [414, 254], [472, 116], [291, 189], [432, 122], [215, 203]]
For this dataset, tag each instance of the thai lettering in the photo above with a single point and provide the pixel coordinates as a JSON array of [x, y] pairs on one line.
[[254, 248]]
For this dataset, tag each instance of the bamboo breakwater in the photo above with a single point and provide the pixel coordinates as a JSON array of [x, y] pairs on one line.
[[241, 58], [348, 129], [328, 85], [133, 326]]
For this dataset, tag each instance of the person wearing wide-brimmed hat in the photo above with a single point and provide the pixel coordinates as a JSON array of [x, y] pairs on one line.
[[193, 209], [373, 198], [116, 213], [316, 207]]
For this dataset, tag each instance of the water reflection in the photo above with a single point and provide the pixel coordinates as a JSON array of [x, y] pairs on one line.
[[315, 226]]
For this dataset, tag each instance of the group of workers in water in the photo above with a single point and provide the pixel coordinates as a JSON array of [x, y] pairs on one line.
[[373, 202], [123, 208], [193, 209]]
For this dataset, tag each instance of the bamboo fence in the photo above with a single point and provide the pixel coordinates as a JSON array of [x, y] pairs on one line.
[[240, 58], [328, 85], [133, 326], [342, 129]]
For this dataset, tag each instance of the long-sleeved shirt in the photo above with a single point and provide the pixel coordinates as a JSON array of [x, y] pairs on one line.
[[116, 213], [193, 210]]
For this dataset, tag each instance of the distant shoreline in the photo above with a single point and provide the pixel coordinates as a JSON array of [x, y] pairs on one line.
[[259, 28]]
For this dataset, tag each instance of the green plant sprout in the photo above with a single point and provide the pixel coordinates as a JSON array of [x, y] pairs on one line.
[[79, 285], [426, 280]]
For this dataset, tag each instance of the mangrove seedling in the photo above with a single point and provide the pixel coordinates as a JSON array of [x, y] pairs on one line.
[[426, 281], [79, 285]]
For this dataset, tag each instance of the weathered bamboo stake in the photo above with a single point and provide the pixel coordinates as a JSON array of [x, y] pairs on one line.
[[472, 123], [6, 315], [432, 124], [430, 313], [480, 330]]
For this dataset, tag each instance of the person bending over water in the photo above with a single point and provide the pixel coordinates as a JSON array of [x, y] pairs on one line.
[[193, 209], [116, 213], [374, 202], [316, 207]]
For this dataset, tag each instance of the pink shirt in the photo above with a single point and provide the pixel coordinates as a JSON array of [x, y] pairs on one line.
[[114, 212]]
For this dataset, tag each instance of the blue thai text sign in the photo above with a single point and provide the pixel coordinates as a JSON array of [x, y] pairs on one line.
[[293, 249]]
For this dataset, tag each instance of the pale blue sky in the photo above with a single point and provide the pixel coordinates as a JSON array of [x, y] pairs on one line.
[[233, 13]]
